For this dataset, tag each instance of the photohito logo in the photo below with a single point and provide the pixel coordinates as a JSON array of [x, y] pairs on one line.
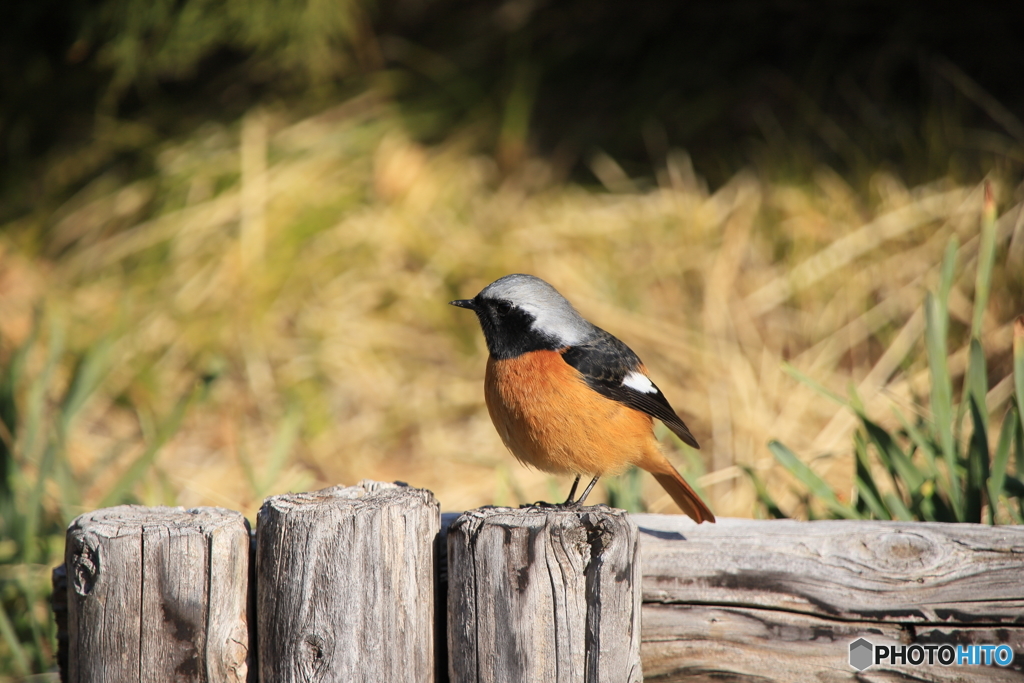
[[864, 654]]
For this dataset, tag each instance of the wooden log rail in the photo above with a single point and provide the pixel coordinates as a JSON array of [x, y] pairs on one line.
[[781, 600], [364, 583]]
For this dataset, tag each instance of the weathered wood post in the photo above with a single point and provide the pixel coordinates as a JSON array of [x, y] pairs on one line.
[[158, 594], [542, 594], [345, 584]]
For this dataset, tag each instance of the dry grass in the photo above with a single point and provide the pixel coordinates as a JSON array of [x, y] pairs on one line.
[[308, 266]]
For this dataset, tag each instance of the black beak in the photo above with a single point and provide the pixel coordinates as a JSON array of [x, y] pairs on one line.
[[463, 303]]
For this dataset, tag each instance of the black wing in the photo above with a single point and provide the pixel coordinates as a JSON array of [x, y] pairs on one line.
[[604, 362]]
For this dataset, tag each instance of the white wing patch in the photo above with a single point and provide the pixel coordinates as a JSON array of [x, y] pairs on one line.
[[639, 382]]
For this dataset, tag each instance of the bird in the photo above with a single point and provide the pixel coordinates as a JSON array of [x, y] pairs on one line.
[[566, 397]]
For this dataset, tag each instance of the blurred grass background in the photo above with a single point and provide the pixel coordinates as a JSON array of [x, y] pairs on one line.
[[230, 232]]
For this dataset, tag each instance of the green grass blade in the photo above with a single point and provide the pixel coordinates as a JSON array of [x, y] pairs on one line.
[[895, 503], [871, 502], [946, 274], [10, 380], [249, 471], [986, 258], [977, 379], [37, 394], [805, 502], [815, 484], [765, 498], [10, 636], [896, 461], [34, 506], [804, 379], [162, 434], [624, 491], [1018, 374], [977, 456], [89, 372], [1015, 515], [977, 465], [38, 628], [922, 442], [117, 492], [694, 463], [287, 432], [1001, 461], [70, 497], [856, 404], [1019, 458], [39, 446], [867, 490], [926, 506], [936, 320]]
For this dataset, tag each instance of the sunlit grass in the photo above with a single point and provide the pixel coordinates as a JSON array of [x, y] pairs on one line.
[[276, 318], [331, 336]]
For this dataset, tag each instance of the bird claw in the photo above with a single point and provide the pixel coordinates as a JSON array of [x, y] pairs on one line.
[[569, 505]]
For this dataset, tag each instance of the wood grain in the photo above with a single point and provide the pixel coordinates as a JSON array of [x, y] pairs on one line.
[[781, 600], [345, 584], [540, 594], [897, 572], [347, 581], [700, 643], [158, 594]]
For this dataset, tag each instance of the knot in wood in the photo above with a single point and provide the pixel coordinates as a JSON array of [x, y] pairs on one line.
[[903, 552], [236, 653], [598, 531], [313, 656], [85, 563]]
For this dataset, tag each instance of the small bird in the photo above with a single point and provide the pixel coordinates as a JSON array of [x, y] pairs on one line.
[[569, 398]]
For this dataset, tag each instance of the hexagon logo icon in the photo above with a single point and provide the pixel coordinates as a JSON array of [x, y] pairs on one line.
[[861, 654]]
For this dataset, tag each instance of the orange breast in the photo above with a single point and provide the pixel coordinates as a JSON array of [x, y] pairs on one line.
[[550, 419]]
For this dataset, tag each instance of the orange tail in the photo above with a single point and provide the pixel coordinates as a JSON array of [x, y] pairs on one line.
[[681, 493]]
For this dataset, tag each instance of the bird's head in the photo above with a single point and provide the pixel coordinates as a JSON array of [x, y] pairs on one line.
[[521, 313]]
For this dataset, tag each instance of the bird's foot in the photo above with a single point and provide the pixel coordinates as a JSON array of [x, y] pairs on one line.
[[539, 504], [569, 505]]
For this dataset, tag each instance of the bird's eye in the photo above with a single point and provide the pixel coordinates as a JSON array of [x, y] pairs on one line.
[[503, 307]]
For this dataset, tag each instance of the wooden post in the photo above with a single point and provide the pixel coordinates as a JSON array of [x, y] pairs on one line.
[[59, 605], [542, 594], [158, 594], [345, 584]]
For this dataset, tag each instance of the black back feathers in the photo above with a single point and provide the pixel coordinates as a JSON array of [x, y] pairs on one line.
[[606, 363]]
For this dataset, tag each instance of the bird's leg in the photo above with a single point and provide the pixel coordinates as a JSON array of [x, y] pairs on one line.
[[572, 491], [590, 486]]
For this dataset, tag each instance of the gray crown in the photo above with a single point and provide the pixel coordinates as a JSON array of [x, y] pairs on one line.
[[553, 314]]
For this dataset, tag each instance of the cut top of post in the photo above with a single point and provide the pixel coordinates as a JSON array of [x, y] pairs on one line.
[[366, 493], [110, 522]]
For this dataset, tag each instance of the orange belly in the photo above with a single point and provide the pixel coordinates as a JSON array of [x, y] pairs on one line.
[[550, 419]]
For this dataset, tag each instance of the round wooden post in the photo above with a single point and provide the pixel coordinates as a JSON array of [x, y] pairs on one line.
[[158, 594], [543, 594], [345, 584]]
